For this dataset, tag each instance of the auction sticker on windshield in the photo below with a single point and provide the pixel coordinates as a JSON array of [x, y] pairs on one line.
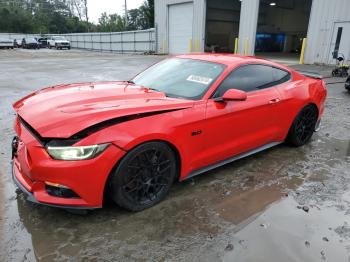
[[199, 79]]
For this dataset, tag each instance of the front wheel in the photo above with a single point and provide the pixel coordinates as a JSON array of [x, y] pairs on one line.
[[303, 126], [144, 176]]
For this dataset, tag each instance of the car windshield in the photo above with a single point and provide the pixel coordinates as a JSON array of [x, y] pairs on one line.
[[178, 77]]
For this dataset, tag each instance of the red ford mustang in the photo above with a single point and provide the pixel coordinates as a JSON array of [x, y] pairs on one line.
[[177, 119]]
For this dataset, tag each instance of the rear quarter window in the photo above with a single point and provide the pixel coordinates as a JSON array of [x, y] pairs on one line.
[[280, 76]]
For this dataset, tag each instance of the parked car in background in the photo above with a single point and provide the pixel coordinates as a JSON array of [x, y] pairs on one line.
[[43, 42], [6, 43], [17, 43], [30, 43], [58, 42]]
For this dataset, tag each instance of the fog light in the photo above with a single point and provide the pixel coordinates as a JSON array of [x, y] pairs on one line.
[[58, 190]]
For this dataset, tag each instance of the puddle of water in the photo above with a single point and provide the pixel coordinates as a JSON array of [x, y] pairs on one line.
[[285, 233]]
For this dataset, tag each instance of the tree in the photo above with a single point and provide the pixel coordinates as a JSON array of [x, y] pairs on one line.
[[42, 16], [148, 10], [111, 23], [142, 17], [67, 16], [80, 8], [136, 20]]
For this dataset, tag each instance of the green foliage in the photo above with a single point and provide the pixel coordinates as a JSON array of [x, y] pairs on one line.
[[67, 16], [39, 16], [110, 23], [142, 17], [138, 19]]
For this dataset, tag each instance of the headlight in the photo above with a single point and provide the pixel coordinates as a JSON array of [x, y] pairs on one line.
[[75, 152]]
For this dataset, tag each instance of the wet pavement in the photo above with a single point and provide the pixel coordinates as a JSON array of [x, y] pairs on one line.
[[283, 204]]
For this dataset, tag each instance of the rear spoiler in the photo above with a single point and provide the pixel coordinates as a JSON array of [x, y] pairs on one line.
[[311, 74]]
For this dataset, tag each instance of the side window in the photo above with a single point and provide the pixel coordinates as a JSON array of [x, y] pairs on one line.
[[251, 78], [280, 76]]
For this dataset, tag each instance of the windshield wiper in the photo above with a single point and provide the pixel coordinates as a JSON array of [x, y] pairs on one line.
[[153, 89], [148, 88]]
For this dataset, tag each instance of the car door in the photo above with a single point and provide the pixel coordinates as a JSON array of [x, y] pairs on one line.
[[234, 127]]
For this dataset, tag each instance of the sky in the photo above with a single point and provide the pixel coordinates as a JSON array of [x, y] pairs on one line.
[[97, 7]]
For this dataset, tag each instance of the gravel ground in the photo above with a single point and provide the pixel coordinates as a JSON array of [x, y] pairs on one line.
[[284, 204]]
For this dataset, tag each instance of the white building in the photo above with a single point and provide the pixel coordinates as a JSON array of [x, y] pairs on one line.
[[262, 27]]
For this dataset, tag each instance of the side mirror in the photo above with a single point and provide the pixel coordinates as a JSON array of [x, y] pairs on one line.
[[233, 95]]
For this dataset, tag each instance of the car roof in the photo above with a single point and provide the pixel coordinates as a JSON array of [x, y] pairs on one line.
[[231, 59]]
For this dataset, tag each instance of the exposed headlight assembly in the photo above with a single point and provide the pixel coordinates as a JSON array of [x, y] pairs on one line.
[[75, 152]]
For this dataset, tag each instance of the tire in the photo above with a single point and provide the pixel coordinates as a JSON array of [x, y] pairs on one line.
[[303, 126], [143, 177]]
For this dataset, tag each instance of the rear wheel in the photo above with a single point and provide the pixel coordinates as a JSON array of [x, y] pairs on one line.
[[303, 126], [144, 176]]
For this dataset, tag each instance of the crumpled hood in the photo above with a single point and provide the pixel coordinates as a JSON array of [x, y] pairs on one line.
[[64, 110]]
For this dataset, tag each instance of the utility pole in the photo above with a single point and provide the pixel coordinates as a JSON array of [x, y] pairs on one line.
[[126, 14]]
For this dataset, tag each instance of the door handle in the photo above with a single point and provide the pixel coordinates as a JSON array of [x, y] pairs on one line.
[[274, 101]]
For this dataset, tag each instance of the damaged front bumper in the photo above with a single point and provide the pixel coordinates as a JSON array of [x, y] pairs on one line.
[[29, 196]]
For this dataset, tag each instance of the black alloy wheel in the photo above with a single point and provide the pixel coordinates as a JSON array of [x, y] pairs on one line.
[[144, 176], [303, 126]]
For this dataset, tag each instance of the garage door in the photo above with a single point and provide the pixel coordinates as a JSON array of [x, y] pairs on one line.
[[180, 27]]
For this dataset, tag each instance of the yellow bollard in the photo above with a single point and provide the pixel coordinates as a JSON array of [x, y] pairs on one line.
[[303, 46], [246, 45], [197, 46], [190, 45], [235, 51]]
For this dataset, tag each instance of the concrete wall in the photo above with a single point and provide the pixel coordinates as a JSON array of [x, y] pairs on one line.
[[161, 22], [142, 41], [324, 14], [247, 26]]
